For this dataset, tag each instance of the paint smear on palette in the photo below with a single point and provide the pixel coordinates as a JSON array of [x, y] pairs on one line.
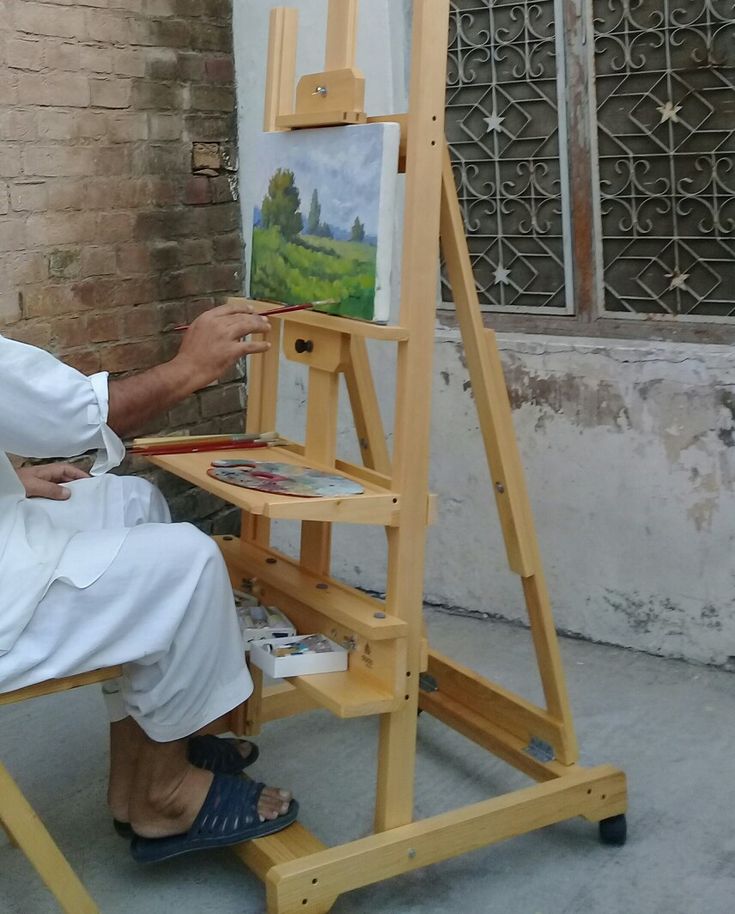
[[287, 479]]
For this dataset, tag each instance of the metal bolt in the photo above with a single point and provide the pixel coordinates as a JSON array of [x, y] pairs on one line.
[[412, 853], [321, 90], [379, 615], [322, 586], [270, 561], [500, 487]]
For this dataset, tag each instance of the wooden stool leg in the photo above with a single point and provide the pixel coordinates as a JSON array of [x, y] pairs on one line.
[[26, 828]]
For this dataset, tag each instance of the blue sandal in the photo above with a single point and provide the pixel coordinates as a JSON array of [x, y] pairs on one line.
[[220, 755], [211, 753], [229, 815]]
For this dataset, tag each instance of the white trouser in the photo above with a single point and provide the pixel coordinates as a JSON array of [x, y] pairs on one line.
[[163, 608]]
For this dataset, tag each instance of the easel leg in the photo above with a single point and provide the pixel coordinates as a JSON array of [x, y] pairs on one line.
[[496, 422]]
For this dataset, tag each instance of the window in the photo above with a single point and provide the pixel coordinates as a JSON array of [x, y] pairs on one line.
[[594, 153]]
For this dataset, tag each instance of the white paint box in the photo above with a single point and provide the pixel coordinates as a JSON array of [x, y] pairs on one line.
[[265, 654]]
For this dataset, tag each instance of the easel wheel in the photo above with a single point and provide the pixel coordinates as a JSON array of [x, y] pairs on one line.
[[614, 831]]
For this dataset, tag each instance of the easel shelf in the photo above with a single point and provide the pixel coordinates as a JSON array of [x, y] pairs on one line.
[[375, 506], [345, 605]]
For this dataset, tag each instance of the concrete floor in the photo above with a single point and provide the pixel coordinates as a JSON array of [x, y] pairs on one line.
[[669, 725]]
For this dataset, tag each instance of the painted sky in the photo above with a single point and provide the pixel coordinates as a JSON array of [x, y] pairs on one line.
[[344, 164]]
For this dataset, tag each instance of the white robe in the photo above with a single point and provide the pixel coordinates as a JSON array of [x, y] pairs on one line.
[[110, 580], [47, 409]]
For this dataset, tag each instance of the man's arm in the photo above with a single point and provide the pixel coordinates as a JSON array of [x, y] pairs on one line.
[[211, 346]]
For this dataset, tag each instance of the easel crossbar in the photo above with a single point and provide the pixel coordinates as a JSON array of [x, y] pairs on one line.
[[305, 884]]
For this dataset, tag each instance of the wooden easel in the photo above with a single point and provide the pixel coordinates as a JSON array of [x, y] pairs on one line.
[[392, 672]]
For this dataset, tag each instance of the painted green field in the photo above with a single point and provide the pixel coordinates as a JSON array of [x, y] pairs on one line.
[[314, 269]]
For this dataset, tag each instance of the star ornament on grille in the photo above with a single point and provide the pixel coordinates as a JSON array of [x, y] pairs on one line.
[[678, 280], [502, 276], [669, 112], [494, 122]]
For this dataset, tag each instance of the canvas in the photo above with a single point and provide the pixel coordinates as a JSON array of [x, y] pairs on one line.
[[323, 218]]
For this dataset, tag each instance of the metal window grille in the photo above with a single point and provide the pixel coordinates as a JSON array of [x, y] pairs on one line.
[[665, 78], [503, 127], [662, 156]]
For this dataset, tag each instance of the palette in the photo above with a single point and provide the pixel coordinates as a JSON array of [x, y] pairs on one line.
[[285, 479]]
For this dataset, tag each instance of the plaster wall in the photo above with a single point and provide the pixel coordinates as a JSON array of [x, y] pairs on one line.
[[629, 447]]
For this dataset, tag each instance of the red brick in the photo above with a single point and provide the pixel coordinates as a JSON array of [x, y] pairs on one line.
[[35, 333], [42, 301], [98, 261], [67, 89], [87, 361], [62, 56], [130, 356], [49, 19], [61, 160], [96, 60], [9, 161], [198, 191], [220, 69], [9, 307], [18, 124], [60, 228], [113, 227], [103, 328], [12, 237], [110, 93], [24, 54], [29, 195], [139, 322], [71, 332]]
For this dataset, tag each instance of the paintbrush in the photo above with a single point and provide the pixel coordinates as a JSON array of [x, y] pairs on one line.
[[203, 439], [193, 444], [275, 312], [160, 450]]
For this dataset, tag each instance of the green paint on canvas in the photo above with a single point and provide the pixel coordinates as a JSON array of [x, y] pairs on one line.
[[310, 268]]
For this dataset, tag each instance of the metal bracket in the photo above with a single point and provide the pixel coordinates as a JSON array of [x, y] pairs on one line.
[[540, 750], [427, 683]]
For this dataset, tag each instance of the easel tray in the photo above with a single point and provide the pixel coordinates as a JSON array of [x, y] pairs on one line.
[[375, 506]]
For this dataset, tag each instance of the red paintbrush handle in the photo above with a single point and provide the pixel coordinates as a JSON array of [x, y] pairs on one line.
[[159, 451]]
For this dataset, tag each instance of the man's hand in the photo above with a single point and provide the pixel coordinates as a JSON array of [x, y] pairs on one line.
[[44, 481], [214, 342], [211, 346]]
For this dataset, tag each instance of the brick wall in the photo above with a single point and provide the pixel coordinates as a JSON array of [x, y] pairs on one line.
[[117, 217]]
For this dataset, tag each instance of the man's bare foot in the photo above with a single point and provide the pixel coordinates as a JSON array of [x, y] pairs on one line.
[[168, 792], [126, 741]]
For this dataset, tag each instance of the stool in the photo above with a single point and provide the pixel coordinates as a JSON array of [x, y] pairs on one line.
[[23, 826]]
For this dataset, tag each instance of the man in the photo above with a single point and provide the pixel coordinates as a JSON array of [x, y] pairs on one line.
[[92, 574]]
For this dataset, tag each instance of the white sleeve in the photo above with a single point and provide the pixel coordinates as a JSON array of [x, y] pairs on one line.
[[48, 409]]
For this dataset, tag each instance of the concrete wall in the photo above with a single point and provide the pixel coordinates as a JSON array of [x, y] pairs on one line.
[[628, 447]]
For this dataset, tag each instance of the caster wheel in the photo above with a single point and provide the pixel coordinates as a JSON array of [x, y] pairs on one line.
[[614, 831]]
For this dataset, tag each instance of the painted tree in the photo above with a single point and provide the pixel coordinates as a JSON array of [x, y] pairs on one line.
[[315, 214], [358, 230], [281, 205]]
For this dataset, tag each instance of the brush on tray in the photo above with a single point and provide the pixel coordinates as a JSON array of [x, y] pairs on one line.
[[193, 444]]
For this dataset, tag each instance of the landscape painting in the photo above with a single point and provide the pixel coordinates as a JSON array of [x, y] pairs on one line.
[[323, 218]]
